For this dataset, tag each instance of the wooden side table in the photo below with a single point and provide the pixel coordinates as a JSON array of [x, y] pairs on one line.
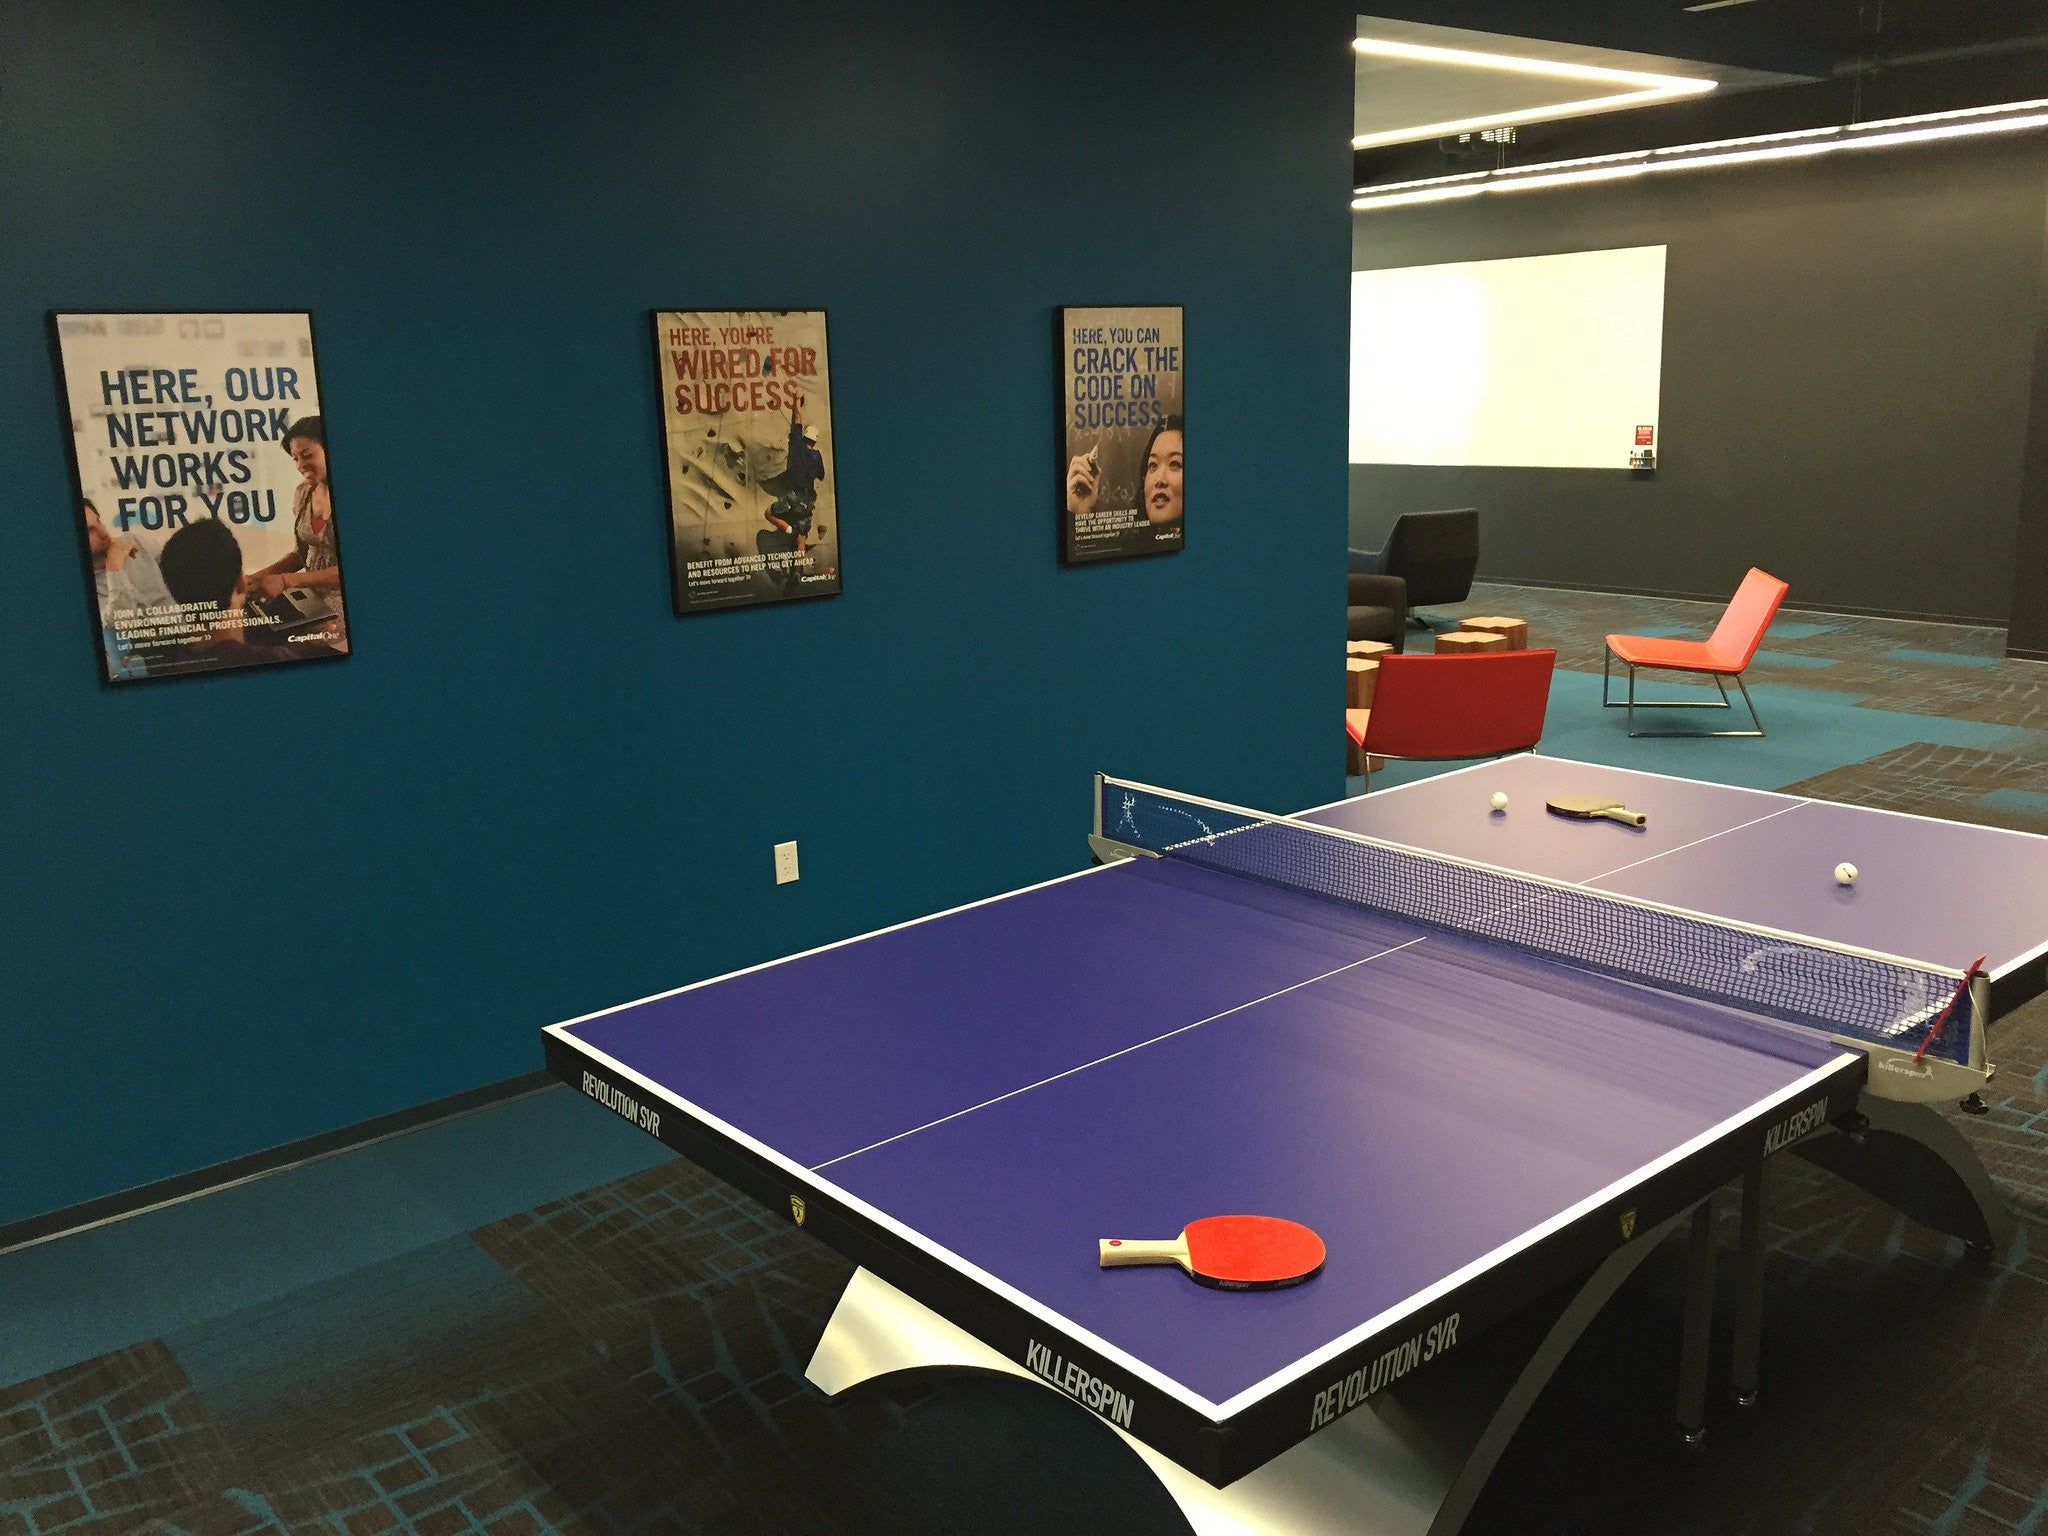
[[1514, 631], [1361, 676], [1468, 642]]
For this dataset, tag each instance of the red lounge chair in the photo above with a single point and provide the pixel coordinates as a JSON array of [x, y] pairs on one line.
[[1724, 654], [1453, 706]]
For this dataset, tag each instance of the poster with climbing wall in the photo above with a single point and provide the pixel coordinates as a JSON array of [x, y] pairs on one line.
[[753, 503]]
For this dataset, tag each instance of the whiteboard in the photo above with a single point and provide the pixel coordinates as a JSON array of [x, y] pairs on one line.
[[1535, 361]]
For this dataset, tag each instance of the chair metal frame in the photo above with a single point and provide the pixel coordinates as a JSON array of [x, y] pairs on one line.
[[1396, 757], [1724, 654], [1631, 705]]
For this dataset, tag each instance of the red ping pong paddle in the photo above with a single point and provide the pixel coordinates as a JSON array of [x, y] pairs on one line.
[[1231, 1253]]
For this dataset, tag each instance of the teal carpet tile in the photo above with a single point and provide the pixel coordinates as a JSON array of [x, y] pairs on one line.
[[2018, 802], [1945, 658], [176, 1268], [1794, 659], [1808, 732]]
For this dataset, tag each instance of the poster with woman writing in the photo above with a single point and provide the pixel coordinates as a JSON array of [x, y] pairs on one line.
[[1121, 436], [199, 459], [746, 409]]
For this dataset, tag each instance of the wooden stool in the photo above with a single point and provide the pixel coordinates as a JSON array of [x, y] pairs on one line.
[[1367, 648], [1514, 631], [1468, 642], [1361, 676]]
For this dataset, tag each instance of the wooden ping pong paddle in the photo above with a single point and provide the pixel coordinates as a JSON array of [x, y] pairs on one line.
[[1592, 807], [1231, 1253]]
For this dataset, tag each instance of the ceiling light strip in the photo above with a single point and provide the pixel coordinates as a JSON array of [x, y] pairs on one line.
[[1952, 131], [2038, 104], [1744, 143], [1642, 98], [1569, 165], [1646, 89], [1966, 123], [1426, 195], [1522, 64]]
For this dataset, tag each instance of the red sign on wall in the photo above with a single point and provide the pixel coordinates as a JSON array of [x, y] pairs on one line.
[[1645, 436]]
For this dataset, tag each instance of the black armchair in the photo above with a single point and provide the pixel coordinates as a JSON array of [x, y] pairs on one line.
[[1376, 608], [1435, 553]]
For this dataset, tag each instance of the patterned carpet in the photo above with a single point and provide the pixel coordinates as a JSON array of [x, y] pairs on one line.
[[1951, 670], [2000, 789], [1907, 669], [629, 1358]]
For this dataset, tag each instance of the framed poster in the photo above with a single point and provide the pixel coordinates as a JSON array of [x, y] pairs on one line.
[[746, 410], [200, 464], [1121, 436]]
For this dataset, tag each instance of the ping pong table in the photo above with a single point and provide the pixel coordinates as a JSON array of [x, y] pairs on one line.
[[1494, 1057]]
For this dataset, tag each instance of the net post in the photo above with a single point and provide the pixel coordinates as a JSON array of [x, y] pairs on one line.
[[1098, 802], [1980, 1017]]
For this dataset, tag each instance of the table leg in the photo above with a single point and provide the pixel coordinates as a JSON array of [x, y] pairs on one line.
[[1913, 1158], [1411, 1461], [1699, 1324], [1366, 1472], [1749, 1289]]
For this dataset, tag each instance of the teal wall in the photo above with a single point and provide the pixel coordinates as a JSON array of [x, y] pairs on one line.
[[247, 908]]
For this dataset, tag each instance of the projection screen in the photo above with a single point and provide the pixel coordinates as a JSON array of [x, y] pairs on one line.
[[1534, 361]]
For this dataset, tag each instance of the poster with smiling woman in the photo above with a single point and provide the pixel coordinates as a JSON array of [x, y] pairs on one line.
[[1122, 439], [200, 462]]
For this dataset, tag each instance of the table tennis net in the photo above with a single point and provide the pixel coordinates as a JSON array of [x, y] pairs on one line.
[[1801, 981]]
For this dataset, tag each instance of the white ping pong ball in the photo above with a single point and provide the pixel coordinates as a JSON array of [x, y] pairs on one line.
[[1845, 874], [1500, 801]]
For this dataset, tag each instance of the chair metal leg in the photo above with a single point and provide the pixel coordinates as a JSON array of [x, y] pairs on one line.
[[1754, 718], [1723, 702]]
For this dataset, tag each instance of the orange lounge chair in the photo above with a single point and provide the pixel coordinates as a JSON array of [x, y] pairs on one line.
[[1723, 654], [1452, 706]]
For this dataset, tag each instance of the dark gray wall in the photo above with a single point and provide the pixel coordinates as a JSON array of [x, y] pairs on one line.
[[2027, 636], [1848, 352]]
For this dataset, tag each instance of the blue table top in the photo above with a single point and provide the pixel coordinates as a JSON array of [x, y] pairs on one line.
[[1118, 1052], [1937, 892]]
